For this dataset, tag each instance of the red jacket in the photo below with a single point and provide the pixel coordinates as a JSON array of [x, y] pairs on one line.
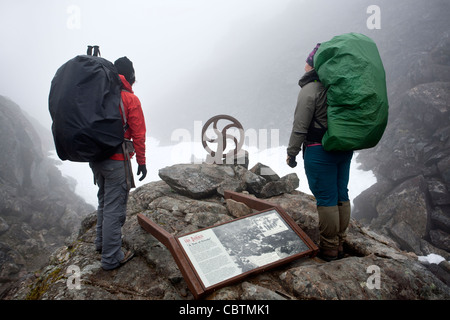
[[136, 122]]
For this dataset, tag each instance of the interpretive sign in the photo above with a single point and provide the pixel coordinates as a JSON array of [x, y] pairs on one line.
[[230, 249], [213, 257]]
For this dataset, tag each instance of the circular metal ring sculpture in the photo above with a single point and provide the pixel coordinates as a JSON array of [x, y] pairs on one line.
[[222, 137]]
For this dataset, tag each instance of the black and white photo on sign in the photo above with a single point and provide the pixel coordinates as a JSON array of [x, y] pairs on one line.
[[240, 246]]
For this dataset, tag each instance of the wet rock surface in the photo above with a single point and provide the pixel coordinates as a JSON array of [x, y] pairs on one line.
[[411, 200], [153, 273], [38, 208]]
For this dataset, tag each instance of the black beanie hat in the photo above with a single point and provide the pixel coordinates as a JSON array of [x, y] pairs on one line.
[[125, 67]]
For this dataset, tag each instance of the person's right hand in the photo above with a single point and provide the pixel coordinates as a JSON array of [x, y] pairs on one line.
[[291, 161]]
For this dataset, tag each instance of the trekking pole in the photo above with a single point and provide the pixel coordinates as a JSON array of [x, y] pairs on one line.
[[97, 51]]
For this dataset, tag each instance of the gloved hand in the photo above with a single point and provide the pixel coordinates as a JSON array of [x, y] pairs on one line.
[[142, 169], [291, 161]]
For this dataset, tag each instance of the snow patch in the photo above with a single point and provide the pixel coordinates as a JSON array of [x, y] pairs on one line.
[[431, 258]]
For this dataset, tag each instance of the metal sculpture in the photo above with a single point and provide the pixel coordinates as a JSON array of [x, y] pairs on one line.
[[221, 138]]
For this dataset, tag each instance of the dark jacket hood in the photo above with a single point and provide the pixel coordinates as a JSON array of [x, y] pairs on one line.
[[308, 77]]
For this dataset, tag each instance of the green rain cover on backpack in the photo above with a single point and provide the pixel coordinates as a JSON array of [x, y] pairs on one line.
[[350, 67]]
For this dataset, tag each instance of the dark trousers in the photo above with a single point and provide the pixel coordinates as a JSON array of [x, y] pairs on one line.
[[328, 174], [111, 213]]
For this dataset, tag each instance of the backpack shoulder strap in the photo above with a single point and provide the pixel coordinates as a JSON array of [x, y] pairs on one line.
[[124, 117]]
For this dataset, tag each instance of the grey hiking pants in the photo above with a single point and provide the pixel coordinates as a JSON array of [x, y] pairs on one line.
[[111, 213]]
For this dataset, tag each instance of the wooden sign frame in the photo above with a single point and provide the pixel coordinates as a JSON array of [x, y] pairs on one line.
[[270, 220]]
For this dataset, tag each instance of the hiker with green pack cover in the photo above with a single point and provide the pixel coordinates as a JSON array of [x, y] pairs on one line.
[[342, 106], [350, 68]]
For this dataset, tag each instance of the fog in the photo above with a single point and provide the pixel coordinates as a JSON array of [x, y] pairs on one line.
[[193, 59], [166, 40], [199, 55]]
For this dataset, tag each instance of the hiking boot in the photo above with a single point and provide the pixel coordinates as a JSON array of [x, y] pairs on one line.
[[127, 257], [341, 253], [344, 220], [328, 254]]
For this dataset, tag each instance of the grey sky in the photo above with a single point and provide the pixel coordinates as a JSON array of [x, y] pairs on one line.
[[165, 39]]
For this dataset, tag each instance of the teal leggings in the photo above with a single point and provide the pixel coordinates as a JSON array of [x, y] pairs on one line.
[[328, 174]]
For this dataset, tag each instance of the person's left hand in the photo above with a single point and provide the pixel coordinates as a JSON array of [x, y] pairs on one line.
[[142, 168]]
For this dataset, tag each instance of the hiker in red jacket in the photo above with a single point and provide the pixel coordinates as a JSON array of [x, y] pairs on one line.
[[114, 176]]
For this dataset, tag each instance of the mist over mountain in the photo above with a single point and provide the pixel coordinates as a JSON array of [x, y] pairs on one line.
[[253, 73], [38, 206]]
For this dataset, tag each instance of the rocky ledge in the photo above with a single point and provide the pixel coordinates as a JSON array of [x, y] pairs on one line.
[[373, 267], [411, 200], [38, 208]]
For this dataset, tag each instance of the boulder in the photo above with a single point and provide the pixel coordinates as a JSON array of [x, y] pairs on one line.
[[254, 182], [406, 237], [286, 184], [365, 203], [441, 219], [440, 239], [199, 181], [237, 209], [438, 193], [265, 171], [407, 203]]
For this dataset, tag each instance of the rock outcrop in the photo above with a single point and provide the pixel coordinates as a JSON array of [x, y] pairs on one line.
[[411, 200], [38, 208], [153, 273], [199, 181]]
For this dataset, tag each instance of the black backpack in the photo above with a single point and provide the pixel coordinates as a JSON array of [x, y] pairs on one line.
[[84, 102]]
